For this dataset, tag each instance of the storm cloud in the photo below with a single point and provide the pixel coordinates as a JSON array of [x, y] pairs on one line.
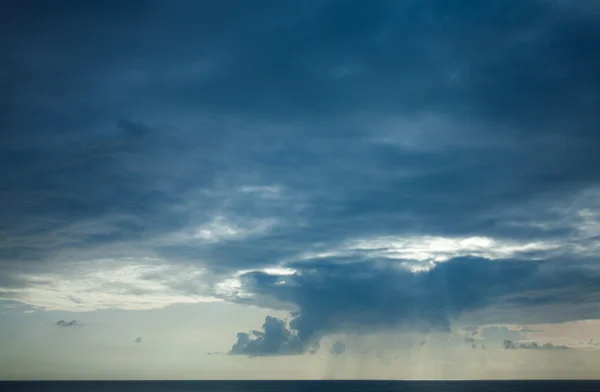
[[332, 298], [364, 166]]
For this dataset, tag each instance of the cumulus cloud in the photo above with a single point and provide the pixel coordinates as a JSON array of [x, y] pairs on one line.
[[275, 338], [72, 323]]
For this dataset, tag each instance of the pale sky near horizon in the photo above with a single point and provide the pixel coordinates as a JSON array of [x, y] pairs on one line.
[[191, 341], [299, 189]]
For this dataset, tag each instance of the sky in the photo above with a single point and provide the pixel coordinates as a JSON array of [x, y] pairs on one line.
[[299, 189]]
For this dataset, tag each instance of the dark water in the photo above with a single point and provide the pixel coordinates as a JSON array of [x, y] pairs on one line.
[[296, 386]]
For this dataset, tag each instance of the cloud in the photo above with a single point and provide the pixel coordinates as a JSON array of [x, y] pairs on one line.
[[357, 297], [338, 348], [405, 170], [510, 345], [106, 283], [416, 132], [138, 339], [493, 336], [529, 330], [275, 338], [497, 334], [72, 323], [593, 342]]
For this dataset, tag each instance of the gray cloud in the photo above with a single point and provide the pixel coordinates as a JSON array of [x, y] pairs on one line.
[[510, 345], [332, 298], [498, 334], [218, 141], [72, 323], [338, 348], [494, 336], [593, 342], [512, 163], [275, 338]]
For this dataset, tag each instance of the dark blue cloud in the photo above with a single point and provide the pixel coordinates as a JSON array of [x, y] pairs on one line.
[[291, 128], [363, 297]]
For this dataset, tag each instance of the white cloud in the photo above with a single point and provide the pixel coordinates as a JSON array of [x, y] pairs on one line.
[[219, 229], [279, 271], [438, 249], [232, 286], [114, 283], [428, 250]]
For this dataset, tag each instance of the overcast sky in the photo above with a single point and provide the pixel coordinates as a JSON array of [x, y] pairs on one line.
[[299, 189]]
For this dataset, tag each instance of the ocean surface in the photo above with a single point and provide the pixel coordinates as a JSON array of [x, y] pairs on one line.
[[295, 386]]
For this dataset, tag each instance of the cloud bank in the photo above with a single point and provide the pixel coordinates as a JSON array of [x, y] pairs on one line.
[[366, 167], [330, 297]]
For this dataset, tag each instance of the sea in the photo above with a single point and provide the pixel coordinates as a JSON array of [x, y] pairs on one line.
[[296, 386]]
